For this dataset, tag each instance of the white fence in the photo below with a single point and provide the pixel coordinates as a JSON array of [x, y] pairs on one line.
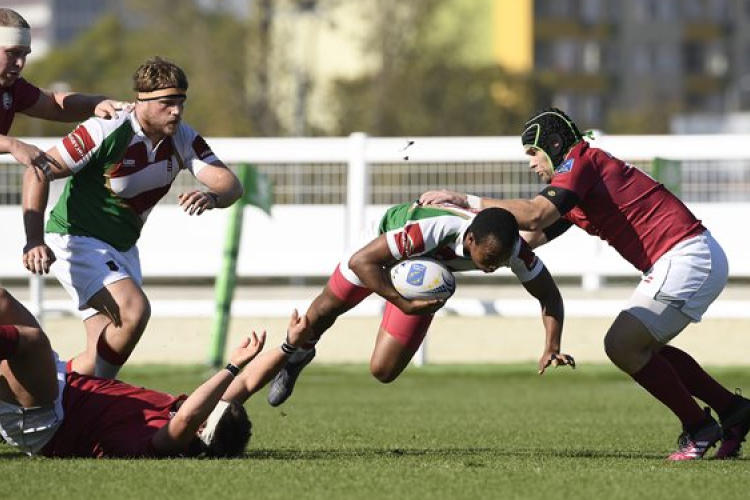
[[307, 240]]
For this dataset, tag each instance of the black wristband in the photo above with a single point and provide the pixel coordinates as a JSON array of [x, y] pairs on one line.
[[288, 348], [214, 197], [233, 369]]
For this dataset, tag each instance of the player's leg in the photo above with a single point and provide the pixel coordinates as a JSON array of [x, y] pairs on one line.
[[105, 283], [399, 337], [338, 296], [12, 312], [28, 368], [676, 292], [124, 312]]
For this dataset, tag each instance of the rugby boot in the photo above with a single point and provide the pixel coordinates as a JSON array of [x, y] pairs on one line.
[[282, 384], [735, 424], [694, 444]]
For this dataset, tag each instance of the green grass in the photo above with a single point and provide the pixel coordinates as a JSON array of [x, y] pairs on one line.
[[438, 432]]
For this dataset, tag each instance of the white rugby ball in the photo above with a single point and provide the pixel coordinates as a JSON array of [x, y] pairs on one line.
[[423, 278]]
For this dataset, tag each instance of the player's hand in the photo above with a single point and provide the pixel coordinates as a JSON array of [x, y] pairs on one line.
[[298, 332], [420, 307], [444, 196], [248, 349], [196, 202], [31, 156], [38, 257], [555, 359], [108, 108]]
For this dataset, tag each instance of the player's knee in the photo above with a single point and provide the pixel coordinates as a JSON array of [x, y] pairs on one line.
[[32, 340], [5, 301], [136, 315], [383, 373]]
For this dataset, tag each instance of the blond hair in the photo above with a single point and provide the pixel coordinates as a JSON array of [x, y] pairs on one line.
[[9, 18], [157, 73]]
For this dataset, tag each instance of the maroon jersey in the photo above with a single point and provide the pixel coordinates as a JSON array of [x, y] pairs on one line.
[[109, 418], [622, 205], [18, 97]]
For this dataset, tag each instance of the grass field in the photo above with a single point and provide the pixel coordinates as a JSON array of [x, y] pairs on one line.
[[438, 432]]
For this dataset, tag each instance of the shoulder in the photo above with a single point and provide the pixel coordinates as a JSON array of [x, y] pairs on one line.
[[189, 142]]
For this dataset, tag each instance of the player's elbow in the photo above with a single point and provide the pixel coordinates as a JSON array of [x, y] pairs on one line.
[[236, 192]]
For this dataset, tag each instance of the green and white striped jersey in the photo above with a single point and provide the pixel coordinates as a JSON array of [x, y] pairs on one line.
[[119, 176]]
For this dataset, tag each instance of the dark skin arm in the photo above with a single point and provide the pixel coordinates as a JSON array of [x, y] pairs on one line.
[[545, 290], [371, 265]]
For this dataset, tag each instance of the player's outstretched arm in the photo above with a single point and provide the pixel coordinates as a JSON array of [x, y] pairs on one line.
[[73, 107], [545, 290], [174, 437], [265, 367]]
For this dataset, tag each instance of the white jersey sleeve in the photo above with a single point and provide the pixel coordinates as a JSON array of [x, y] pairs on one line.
[[79, 146], [193, 150], [524, 262]]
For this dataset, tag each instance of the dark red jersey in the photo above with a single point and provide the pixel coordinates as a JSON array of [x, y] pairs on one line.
[[109, 418], [18, 97], [624, 206]]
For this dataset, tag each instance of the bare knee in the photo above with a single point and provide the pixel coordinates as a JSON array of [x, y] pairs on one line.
[[383, 374], [32, 341], [135, 315], [385, 370]]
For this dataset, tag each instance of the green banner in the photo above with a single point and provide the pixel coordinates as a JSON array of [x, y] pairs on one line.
[[258, 192]]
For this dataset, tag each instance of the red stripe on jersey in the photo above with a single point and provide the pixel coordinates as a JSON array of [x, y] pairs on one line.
[[78, 143], [201, 148], [410, 240]]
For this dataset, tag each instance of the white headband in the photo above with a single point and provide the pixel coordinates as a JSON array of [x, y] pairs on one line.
[[207, 434], [15, 36]]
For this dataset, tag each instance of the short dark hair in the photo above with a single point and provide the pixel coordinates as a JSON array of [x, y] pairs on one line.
[[230, 438], [232, 434], [496, 223], [158, 73]]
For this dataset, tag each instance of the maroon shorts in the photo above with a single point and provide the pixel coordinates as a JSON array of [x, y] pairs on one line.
[[406, 329]]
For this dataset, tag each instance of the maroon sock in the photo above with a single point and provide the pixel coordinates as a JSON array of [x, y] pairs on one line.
[[8, 341], [661, 381], [700, 384], [108, 354]]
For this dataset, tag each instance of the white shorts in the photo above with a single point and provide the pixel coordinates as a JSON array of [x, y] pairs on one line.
[[680, 286], [85, 265], [30, 429], [369, 233]]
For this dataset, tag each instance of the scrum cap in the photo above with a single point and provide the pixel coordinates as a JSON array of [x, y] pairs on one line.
[[553, 132]]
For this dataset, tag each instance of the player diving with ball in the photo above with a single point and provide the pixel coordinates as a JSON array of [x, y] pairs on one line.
[[461, 239]]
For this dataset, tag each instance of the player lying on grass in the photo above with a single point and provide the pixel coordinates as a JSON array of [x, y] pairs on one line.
[[461, 239], [684, 270], [47, 410]]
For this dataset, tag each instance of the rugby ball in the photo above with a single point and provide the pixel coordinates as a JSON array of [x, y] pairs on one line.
[[423, 278]]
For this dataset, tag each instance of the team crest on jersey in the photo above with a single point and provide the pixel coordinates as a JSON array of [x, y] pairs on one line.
[[7, 100], [567, 166], [416, 274]]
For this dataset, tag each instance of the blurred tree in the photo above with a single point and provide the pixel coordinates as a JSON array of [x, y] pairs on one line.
[[209, 45], [423, 86]]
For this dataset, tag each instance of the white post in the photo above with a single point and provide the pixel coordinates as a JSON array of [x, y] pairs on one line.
[[420, 357], [36, 297], [358, 188], [591, 277]]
